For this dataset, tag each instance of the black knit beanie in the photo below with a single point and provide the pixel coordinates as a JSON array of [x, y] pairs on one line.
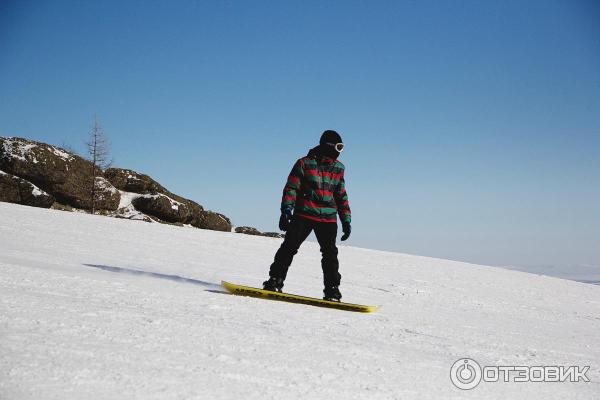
[[330, 137]]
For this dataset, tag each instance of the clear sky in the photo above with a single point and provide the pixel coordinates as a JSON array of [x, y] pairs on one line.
[[472, 127]]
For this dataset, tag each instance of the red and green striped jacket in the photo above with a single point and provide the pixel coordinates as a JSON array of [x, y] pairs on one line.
[[316, 190]]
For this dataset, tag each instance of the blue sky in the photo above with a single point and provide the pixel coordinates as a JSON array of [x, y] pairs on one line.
[[472, 128]]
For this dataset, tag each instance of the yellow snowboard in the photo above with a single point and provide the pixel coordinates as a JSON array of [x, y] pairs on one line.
[[294, 298]]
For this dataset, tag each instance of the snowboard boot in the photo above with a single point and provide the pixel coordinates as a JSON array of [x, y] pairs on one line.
[[332, 293], [273, 284]]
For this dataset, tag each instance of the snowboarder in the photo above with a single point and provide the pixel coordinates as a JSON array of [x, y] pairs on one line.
[[312, 198]]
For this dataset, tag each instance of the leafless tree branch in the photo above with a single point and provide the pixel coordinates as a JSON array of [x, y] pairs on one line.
[[98, 148]]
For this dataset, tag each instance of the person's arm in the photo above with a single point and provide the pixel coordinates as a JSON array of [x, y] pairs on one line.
[[341, 200], [290, 191]]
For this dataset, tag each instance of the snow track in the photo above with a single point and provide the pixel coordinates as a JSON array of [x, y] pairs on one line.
[[102, 308]]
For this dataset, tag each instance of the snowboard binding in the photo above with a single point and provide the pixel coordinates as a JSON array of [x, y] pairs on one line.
[[332, 293], [273, 284]]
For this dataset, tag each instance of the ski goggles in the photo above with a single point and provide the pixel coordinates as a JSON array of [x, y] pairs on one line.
[[339, 147]]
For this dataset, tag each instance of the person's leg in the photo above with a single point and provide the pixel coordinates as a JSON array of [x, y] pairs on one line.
[[296, 234], [326, 233]]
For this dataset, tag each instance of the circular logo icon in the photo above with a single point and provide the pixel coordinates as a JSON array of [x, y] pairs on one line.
[[465, 373]]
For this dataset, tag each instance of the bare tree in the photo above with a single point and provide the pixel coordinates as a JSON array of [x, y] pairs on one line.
[[99, 153]]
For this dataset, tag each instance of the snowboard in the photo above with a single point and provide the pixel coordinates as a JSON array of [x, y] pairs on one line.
[[294, 298]]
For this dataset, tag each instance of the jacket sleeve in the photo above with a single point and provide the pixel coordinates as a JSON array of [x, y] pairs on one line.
[[292, 186], [341, 200]]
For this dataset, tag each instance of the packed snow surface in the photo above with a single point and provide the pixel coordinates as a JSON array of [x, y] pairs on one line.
[[103, 308]]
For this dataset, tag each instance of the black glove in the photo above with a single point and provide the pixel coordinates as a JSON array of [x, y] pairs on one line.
[[347, 229], [285, 219]]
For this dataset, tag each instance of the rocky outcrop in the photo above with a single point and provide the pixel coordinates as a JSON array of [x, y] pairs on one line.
[[131, 181], [274, 235], [161, 203], [197, 218], [212, 220], [17, 190], [162, 207], [40, 174], [248, 230], [61, 207], [107, 196], [65, 176]]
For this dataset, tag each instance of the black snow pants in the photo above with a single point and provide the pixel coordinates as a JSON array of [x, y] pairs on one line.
[[298, 231]]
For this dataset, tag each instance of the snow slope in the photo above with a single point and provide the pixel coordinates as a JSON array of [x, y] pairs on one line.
[[103, 308]]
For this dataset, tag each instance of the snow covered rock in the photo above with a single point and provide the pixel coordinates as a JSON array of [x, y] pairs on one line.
[[163, 204], [274, 234], [163, 207], [107, 196], [131, 181], [16, 190], [212, 220], [249, 230], [65, 176], [68, 179]]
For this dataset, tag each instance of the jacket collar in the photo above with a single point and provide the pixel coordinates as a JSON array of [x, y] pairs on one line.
[[316, 153]]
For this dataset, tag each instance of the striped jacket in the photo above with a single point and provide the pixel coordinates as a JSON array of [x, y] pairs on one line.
[[316, 190]]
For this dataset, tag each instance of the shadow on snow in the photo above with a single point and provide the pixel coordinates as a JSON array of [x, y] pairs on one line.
[[211, 287]]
